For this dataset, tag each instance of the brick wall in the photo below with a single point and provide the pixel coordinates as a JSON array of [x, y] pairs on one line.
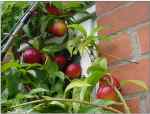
[[131, 22]]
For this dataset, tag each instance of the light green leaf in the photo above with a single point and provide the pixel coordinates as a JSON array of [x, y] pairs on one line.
[[79, 28], [60, 104], [103, 102], [38, 90], [91, 110], [9, 65], [76, 83], [76, 95], [105, 37], [96, 29], [58, 4], [100, 64], [139, 83], [95, 77]]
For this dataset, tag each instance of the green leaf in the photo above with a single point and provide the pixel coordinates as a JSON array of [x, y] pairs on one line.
[[12, 82], [51, 67], [103, 102], [90, 109], [105, 37], [45, 24], [95, 77], [38, 90], [95, 30], [72, 45], [79, 28], [9, 65], [100, 64], [52, 49], [76, 83], [76, 95], [72, 5], [27, 30], [58, 4], [60, 104], [139, 83]]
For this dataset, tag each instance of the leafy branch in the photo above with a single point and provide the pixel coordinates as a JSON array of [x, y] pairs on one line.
[[46, 99]]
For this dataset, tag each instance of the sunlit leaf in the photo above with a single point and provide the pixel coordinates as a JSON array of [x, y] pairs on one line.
[[76, 83], [139, 83], [103, 102], [9, 65], [79, 28], [95, 30], [38, 90]]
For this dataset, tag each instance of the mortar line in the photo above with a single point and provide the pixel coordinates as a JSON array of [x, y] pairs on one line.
[[124, 62], [135, 43], [115, 9]]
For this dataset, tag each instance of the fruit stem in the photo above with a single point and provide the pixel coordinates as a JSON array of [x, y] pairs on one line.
[[69, 100], [127, 110]]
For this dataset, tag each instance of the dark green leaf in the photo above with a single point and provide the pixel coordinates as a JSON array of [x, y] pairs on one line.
[[12, 82], [51, 67]]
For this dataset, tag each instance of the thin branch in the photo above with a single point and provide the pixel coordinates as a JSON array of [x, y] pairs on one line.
[[18, 27], [127, 110], [69, 100]]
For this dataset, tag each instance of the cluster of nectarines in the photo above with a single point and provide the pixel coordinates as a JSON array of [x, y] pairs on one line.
[[72, 70]]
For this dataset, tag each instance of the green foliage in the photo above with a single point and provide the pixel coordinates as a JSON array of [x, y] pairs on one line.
[[44, 87], [139, 83], [83, 41], [75, 84], [11, 12], [97, 70], [92, 109]]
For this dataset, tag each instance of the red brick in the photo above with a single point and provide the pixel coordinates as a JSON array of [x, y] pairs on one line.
[[140, 71], [126, 17], [105, 6], [134, 105], [144, 37], [119, 47]]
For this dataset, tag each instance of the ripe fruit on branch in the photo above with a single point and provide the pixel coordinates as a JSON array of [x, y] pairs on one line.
[[60, 59], [53, 10], [110, 80], [59, 28], [32, 55], [106, 92], [73, 71]]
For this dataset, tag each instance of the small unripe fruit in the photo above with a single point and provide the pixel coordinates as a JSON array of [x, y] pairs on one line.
[[106, 92], [60, 59], [32, 56], [73, 71], [59, 28]]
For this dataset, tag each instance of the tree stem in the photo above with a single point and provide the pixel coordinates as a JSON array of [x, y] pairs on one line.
[[127, 110], [69, 100]]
